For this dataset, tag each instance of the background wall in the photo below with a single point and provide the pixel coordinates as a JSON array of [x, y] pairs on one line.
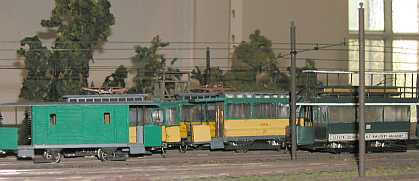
[[323, 21]]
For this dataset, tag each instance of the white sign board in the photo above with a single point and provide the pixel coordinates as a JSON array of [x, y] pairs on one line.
[[370, 136]]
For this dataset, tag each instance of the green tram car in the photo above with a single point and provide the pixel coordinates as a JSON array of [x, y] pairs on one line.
[[229, 121], [253, 121], [234, 121], [196, 127], [110, 127], [330, 112], [113, 126], [8, 140]]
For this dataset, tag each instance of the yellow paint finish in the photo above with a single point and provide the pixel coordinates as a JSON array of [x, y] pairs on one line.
[[132, 135], [212, 129], [163, 133], [255, 127], [183, 130], [173, 134], [300, 122], [201, 133], [337, 90], [185, 126]]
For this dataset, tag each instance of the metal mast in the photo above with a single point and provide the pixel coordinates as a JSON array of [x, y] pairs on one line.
[[361, 93], [293, 53]]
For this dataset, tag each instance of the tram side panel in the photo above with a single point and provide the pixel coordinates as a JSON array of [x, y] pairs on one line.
[[8, 140], [253, 123], [78, 130], [335, 128]]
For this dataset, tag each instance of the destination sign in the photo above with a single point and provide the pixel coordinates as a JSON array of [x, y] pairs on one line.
[[370, 136]]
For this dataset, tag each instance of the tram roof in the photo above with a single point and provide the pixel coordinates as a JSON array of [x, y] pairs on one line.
[[356, 72], [257, 95], [355, 104], [30, 104]]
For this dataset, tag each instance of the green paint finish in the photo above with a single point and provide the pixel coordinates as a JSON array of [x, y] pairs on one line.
[[152, 135], [374, 127], [305, 135], [80, 124], [8, 138]]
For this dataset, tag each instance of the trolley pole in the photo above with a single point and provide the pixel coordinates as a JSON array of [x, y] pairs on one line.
[[293, 92], [361, 93], [208, 61]]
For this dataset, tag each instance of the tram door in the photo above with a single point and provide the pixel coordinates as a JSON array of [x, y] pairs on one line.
[[219, 119], [136, 125], [145, 126], [305, 130]]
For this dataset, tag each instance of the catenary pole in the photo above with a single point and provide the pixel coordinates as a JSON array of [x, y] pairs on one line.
[[293, 91], [208, 68], [361, 93]]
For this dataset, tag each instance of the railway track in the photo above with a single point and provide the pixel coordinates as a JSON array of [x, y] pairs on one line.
[[202, 157], [194, 164]]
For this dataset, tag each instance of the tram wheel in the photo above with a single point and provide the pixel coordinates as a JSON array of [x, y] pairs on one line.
[[163, 152], [57, 157], [101, 155], [183, 148]]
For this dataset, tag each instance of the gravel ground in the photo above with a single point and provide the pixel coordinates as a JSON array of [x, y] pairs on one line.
[[206, 165]]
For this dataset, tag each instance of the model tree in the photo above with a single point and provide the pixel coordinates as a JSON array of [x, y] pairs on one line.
[[79, 27], [150, 65]]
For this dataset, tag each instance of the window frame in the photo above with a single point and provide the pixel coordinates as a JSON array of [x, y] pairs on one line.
[[107, 119], [53, 119], [388, 36]]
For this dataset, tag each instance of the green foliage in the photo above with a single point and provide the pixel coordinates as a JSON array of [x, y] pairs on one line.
[[257, 53], [150, 66], [37, 72], [79, 27], [116, 79], [216, 75], [307, 82], [255, 66]]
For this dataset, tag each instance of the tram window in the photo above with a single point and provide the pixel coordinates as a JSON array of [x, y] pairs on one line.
[[269, 110], [186, 114], [396, 113], [107, 118], [53, 119], [157, 116], [133, 116], [211, 113], [283, 111], [192, 113], [373, 114], [170, 116], [147, 116], [142, 115], [239, 110], [261, 110], [342, 114]]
